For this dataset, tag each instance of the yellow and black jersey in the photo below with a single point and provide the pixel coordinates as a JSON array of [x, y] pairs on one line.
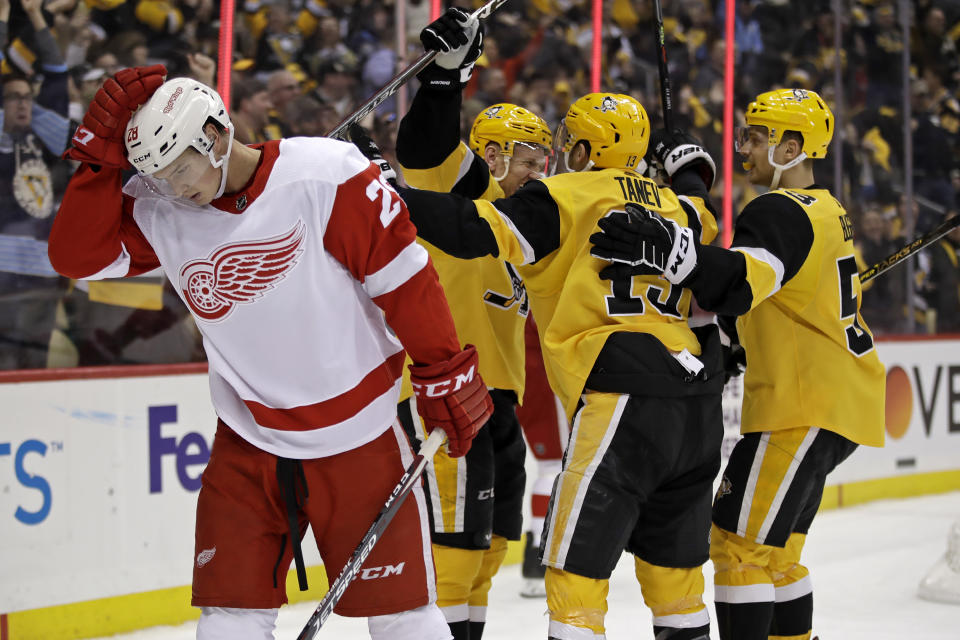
[[487, 297], [544, 229], [792, 279], [276, 128]]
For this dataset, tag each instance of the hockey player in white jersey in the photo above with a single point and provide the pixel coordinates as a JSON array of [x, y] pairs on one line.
[[298, 263]]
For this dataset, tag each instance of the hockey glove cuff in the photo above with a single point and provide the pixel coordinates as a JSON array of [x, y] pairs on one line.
[[362, 140], [645, 241], [440, 79], [678, 151], [451, 395]]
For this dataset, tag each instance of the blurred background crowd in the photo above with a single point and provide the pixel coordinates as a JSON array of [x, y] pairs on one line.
[[300, 66]]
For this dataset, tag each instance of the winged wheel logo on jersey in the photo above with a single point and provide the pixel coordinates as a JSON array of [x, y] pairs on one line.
[[205, 556], [239, 273]]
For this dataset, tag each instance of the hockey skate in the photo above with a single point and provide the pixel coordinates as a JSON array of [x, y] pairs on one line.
[[942, 583], [532, 571]]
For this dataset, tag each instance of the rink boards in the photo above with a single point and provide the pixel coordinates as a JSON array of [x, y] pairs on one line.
[[99, 471]]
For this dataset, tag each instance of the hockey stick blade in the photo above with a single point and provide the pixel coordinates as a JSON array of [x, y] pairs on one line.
[[899, 256], [400, 79], [390, 508]]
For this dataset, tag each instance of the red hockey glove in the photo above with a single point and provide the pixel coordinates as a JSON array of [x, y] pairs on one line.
[[451, 395], [99, 138]]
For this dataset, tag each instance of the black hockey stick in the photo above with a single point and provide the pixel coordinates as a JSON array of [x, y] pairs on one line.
[[410, 477], [666, 89], [899, 256], [400, 79]]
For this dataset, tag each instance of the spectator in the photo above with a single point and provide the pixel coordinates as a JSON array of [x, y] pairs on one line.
[[883, 42], [251, 109], [306, 116], [941, 283], [283, 87], [326, 46], [883, 298], [336, 86], [32, 139], [281, 43]]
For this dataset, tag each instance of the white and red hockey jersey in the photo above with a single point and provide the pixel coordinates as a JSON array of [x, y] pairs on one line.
[[295, 283]]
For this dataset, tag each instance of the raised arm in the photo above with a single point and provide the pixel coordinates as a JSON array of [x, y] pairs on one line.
[[94, 234], [429, 148]]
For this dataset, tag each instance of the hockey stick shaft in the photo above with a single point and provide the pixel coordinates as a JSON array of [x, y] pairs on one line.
[[917, 245], [400, 79], [666, 89], [409, 479]]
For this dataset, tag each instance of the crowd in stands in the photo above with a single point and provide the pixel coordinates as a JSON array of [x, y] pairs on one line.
[[300, 66]]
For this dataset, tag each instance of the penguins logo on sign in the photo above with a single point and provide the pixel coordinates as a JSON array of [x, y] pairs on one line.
[[607, 104], [493, 112]]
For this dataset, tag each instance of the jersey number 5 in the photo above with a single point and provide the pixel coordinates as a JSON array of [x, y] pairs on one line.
[[859, 340]]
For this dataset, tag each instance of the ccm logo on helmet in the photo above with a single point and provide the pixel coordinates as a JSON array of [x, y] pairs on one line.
[[139, 159], [176, 94], [446, 387]]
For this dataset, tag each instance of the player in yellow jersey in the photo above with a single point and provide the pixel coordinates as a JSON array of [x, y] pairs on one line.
[[813, 387], [475, 501], [641, 388]]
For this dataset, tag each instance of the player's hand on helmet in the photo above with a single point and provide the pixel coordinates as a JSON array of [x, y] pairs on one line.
[[362, 140], [451, 395], [99, 139], [645, 242], [458, 37], [678, 151]]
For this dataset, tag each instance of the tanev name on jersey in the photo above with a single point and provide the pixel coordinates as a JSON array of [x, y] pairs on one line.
[[640, 191]]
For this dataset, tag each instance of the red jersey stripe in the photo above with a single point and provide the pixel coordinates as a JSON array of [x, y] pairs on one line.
[[333, 410]]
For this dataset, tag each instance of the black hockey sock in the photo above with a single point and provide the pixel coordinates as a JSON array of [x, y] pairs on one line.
[[531, 567], [793, 617], [460, 629], [476, 630], [673, 633], [744, 621]]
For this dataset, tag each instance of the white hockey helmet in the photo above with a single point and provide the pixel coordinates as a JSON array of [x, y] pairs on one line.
[[171, 121]]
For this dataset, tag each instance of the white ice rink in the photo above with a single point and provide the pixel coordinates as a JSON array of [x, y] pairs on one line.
[[866, 562]]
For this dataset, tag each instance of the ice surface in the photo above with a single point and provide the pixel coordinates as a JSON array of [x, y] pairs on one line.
[[865, 562]]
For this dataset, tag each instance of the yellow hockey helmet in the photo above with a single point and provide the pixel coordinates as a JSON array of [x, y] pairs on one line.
[[798, 110], [615, 125], [104, 5], [507, 124]]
